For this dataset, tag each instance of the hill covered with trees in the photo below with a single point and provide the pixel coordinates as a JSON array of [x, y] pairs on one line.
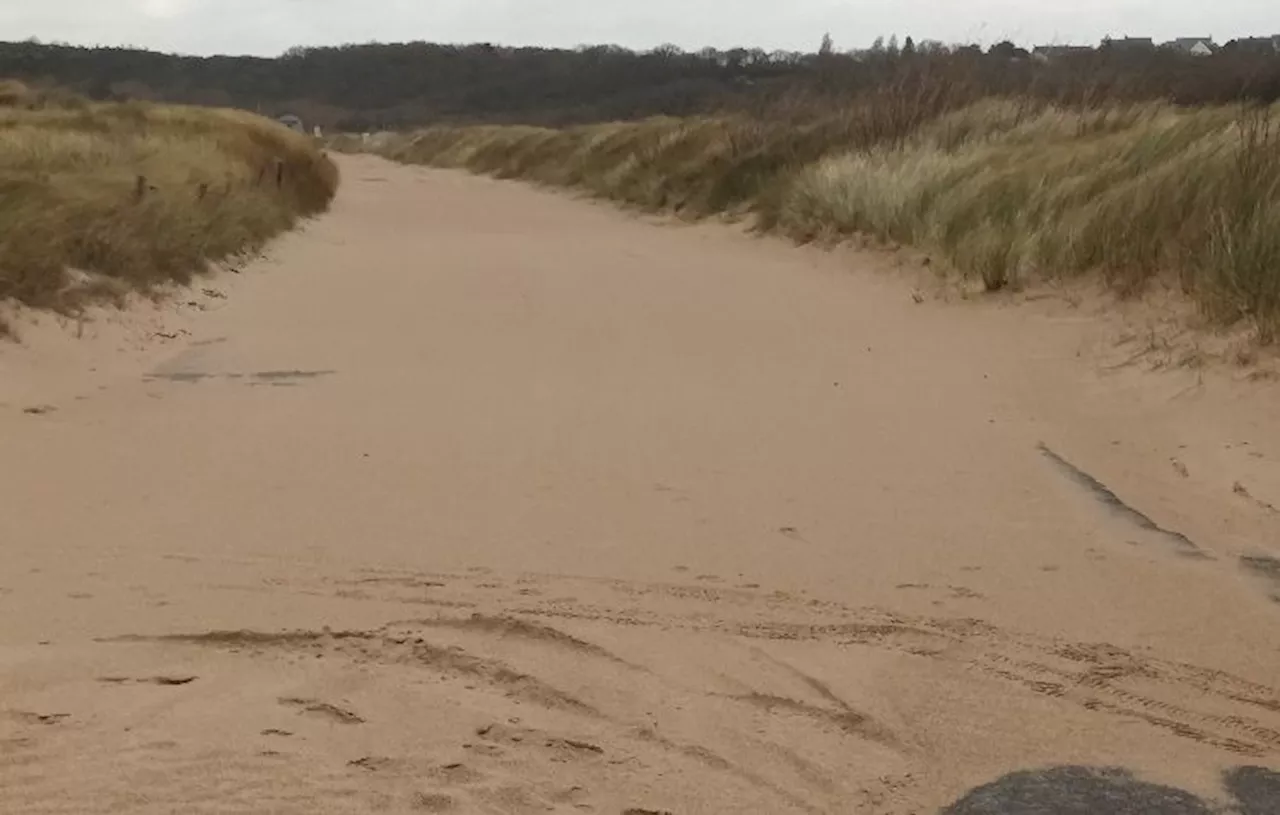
[[373, 86]]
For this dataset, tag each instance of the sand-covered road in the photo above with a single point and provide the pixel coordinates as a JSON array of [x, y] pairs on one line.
[[476, 498]]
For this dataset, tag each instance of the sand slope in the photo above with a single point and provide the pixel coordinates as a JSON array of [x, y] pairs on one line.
[[474, 498]]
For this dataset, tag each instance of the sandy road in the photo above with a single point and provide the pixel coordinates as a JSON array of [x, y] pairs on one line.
[[474, 498]]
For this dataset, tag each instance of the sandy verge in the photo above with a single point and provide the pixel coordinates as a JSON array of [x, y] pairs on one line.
[[475, 498]]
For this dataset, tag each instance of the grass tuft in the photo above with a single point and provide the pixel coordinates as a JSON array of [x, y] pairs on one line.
[[100, 199]]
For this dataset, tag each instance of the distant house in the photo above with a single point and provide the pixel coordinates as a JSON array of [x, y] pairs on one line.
[[1048, 53], [1130, 44], [1193, 46], [292, 122], [1257, 45]]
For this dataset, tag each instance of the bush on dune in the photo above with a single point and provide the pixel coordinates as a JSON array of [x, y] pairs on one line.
[[135, 195], [1138, 194]]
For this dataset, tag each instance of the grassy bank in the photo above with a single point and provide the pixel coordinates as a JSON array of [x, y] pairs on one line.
[[1005, 191], [97, 200]]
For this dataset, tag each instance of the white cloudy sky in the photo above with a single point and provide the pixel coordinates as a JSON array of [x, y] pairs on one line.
[[270, 26]]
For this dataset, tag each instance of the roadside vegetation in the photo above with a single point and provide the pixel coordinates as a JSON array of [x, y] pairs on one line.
[[1006, 188], [101, 199], [1126, 161], [1133, 194]]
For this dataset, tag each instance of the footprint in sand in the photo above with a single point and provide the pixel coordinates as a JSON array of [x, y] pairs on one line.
[[162, 681], [491, 750], [456, 775], [575, 796], [324, 710], [502, 734], [39, 718], [433, 802], [374, 764]]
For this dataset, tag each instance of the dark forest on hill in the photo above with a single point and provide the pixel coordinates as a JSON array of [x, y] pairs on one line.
[[374, 86]]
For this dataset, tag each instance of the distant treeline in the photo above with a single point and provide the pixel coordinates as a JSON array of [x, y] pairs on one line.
[[375, 86]]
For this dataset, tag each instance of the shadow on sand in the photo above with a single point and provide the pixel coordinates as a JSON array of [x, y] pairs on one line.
[[1099, 791]]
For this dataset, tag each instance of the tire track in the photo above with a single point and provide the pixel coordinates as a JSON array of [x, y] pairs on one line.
[[1190, 702]]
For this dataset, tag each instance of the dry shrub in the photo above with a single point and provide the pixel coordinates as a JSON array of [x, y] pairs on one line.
[[13, 93], [99, 199], [1130, 193]]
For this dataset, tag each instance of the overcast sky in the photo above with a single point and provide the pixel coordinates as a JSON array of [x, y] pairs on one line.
[[268, 27]]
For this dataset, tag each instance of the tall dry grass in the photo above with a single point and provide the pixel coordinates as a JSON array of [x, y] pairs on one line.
[[1130, 193], [696, 166], [1005, 190], [100, 199]]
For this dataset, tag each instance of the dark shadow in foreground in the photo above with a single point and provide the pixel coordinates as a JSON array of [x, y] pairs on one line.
[[1099, 791], [1255, 789]]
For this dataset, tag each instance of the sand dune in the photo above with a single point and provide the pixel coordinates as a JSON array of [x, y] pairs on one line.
[[476, 498]]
